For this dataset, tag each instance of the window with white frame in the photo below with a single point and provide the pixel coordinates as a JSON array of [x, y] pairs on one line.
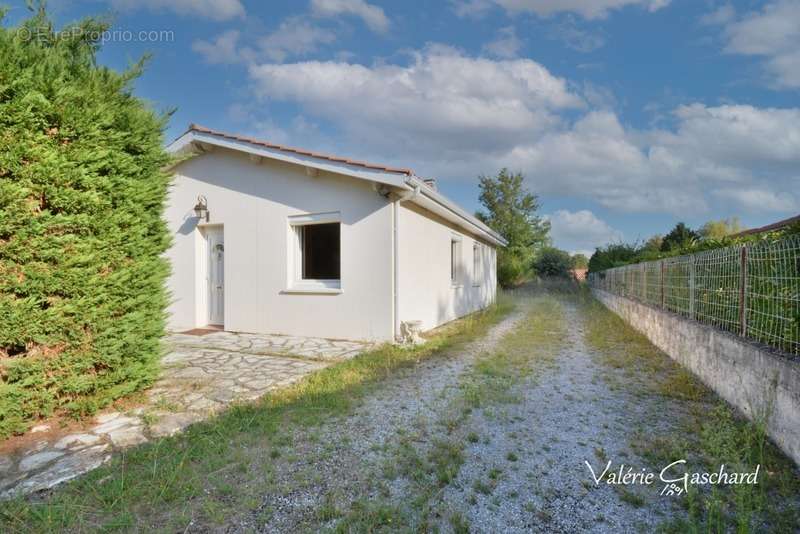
[[477, 264], [316, 242], [455, 260]]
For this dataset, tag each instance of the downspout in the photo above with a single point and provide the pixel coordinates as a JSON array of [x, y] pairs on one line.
[[402, 197]]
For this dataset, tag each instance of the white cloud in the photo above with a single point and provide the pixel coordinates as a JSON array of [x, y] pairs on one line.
[[373, 16], [471, 8], [720, 16], [581, 231], [786, 69], [212, 9], [294, 37], [772, 33], [599, 96], [761, 200], [222, 49], [589, 9], [599, 158], [576, 38], [454, 116], [774, 29], [251, 121], [506, 45], [737, 136], [442, 100]]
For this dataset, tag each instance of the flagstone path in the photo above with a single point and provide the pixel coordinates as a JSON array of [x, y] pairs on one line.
[[200, 376]]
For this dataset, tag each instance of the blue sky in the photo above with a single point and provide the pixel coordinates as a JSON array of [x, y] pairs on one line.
[[624, 115]]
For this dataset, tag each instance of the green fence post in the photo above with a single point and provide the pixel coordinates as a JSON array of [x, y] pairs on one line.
[[644, 282], [743, 292], [691, 286]]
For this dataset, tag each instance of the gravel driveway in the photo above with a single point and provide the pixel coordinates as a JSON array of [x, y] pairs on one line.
[[568, 416], [522, 463], [348, 456]]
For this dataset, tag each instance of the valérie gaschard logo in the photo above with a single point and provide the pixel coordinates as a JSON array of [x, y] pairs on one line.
[[674, 477]]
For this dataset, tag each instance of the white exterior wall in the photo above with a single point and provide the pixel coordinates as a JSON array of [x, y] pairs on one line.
[[425, 291], [253, 202]]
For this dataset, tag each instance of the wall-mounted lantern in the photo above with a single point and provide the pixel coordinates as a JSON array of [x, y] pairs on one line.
[[201, 208]]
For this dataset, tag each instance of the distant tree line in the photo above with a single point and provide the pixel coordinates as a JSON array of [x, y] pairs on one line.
[[680, 240]]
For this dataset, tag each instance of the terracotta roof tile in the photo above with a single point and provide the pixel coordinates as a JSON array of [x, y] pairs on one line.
[[767, 228], [302, 152]]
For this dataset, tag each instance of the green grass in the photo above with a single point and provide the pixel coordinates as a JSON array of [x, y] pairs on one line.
[[328, 511], [710, 434], [629, 497], [529, 349], [482, 487], [621, 348], [459, 523], [164, 484], [367, 516]]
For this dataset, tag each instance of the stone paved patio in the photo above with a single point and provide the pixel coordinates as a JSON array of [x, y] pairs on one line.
[[201, 375]]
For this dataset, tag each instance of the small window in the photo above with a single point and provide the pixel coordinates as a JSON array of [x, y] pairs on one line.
[[477, 275], [320, 246], [455, 255]]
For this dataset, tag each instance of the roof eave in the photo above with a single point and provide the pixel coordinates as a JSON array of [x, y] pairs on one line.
[[188, 142], [194, 142], [467, 220]]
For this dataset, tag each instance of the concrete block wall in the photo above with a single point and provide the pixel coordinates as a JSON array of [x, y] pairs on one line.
[[752, 378]]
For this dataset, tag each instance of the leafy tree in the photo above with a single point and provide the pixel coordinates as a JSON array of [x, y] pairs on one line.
[[580, 261], [623, 254], [82, 275], [551, 261], [721, 228], [510, 209], [612, 255], [678, 238], [653, 244]]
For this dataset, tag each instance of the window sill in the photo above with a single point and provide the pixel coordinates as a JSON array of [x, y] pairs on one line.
[[312, 290], [322, 287]]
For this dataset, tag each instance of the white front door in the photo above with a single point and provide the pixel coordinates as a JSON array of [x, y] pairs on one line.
[[216, 275]]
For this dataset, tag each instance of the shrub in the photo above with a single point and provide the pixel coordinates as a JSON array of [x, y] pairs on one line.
[[512, 269], [552, 262], [81, 236], [580, 261], [680, 237], [612, 255]]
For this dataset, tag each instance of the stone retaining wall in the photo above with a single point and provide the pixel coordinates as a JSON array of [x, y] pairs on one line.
[[757, 381]]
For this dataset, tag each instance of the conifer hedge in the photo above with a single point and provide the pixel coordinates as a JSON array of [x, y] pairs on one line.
[[82, 295]]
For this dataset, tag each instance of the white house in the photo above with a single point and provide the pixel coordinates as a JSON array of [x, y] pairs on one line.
[[273, 239]]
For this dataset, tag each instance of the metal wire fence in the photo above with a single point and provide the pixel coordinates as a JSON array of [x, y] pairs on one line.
[[752, 289]]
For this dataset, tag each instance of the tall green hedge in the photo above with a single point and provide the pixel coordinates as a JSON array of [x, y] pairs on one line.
[[82, 297]]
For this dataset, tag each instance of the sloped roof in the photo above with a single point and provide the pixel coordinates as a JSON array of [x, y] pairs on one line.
[[398, 177], [769, 227], [302, 152]]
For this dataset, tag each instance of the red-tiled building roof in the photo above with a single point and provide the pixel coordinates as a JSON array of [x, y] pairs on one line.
[[300, 151], [769, 227]]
